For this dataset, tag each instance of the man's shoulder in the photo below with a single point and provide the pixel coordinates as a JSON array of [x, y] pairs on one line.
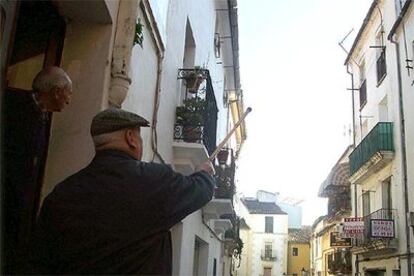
[[151, 167]]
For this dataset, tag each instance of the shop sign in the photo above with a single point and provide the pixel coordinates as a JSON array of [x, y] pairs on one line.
[[337, 240], [353, 227], [382, 228]]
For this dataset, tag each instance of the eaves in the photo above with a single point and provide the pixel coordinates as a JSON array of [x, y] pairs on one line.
[[400, 18], [361, 30]]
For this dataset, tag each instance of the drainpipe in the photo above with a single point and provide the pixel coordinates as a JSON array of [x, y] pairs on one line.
[[121, 56], [403, 155], [160, 49], [353, 144]]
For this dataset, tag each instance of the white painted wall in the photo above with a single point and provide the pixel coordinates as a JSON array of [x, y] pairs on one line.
[[377, 94], [172, 17], [255, 240]]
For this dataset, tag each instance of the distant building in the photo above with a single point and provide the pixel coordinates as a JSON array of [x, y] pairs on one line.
[[298, 262], [330, 254], [265, 235], [287, 204]]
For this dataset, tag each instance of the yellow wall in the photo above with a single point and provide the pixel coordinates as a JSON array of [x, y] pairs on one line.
[[296, 263]]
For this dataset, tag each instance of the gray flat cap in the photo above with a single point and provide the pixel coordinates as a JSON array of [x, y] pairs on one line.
[[114, 119]]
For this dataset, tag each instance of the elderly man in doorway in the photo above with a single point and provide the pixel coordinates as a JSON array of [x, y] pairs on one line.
[[115, 215], [26, 122]]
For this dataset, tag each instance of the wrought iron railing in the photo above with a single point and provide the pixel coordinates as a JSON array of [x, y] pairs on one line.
[[225, 186], [340, 202], [380, 138], [363, 94], [340, 262], [206, 131], [368, 240], [268, 255], [381, 67]]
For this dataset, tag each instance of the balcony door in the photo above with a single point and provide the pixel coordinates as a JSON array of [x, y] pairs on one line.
[[267, 271]]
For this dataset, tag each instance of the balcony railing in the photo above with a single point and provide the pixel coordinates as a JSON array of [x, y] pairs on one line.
[[268, 255], [225, 186], [381, 67], [340, 262], [379, 139], [369, 240], [206, 132]]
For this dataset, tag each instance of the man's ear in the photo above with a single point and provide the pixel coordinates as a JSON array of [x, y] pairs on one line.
[[131, 138]]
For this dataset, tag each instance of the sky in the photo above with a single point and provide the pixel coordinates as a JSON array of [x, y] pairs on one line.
[[293, 77]]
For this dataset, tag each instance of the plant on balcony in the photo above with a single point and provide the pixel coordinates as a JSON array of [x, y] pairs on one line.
[[194, 79], [222, 156], [139, 33], [191, 117], [225, 187]]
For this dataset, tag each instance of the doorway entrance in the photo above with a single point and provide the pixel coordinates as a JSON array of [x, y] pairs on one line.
[[36, 42]]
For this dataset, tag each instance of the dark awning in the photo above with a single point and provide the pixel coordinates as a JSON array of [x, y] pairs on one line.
[[337, 179]]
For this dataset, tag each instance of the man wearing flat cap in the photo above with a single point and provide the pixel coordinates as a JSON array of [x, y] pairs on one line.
[[114, 216]]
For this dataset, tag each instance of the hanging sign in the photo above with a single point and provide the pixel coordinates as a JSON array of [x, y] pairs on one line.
[[353, 227], [382, 228], [337, 240]]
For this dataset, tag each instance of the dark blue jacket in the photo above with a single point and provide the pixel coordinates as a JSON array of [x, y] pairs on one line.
[[114, 216]]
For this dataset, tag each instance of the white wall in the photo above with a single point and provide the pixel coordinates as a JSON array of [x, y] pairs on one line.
[[253, 264], [388, 91], [172, 17]]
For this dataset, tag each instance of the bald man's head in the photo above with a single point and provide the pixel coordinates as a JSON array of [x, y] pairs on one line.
[[53, 88]]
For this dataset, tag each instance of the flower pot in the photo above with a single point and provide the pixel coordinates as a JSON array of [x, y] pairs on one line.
[[222, 156], [192, 134], [193, 83]]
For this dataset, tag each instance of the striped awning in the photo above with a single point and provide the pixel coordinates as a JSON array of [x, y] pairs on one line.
[[337, 179]]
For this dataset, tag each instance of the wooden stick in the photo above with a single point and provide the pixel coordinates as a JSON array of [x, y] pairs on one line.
[[221, 145]]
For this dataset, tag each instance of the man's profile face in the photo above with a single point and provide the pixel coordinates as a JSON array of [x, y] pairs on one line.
[[63, 97]]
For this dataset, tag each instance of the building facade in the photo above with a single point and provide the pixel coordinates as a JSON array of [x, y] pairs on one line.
[[298, 252], [265, 239], [380, 63], [331, 251], [149, 57]]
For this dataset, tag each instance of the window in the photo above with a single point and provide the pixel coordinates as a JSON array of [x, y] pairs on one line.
[[386, 196], [295, 251], [366, 204], [268, 250], [381, 61], [363, 86], [214, 267], [268, 224]]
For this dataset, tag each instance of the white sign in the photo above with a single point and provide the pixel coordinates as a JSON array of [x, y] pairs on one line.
[[353, 227], [382, 228]]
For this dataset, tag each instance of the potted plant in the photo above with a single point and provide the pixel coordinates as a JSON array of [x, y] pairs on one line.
[[222, 156], [190, 117], [194, 79]]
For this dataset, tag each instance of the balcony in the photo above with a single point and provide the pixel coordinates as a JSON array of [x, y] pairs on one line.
[[374, 152], [381, 67], [195, 136], [377, 240], [225, 173], [268, 255], [340, 262]]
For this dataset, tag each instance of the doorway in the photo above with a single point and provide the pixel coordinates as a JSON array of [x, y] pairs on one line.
[[37, 42]]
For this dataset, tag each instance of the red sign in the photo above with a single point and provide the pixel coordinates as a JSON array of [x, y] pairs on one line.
[[353, 227]]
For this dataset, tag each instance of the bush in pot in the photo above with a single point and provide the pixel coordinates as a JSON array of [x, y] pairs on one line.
[[191, 116]]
